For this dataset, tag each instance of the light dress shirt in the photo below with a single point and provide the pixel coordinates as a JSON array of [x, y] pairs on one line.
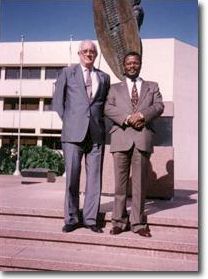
[[130, 84]]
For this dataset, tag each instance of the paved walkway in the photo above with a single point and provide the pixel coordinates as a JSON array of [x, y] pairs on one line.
[[31, 239], [36, 196]]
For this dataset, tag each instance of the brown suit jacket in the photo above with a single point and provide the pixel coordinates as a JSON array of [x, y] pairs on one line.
[[118, 106]]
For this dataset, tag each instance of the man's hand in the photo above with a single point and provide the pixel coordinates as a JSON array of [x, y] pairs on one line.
[[136, 120]]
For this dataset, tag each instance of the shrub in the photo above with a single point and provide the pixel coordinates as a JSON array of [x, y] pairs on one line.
[[7, 160], [31, 157]]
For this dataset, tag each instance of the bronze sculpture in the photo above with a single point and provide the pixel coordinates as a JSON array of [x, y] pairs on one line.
[[117, 25]]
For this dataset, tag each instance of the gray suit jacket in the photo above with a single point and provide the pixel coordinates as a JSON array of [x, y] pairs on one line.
[[118, 107], [71, 102]]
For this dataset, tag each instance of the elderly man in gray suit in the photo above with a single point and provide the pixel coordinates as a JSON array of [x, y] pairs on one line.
[[80, 94], [132, 105]]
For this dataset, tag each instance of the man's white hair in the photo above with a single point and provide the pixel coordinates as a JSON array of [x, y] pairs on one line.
[[88, 41]]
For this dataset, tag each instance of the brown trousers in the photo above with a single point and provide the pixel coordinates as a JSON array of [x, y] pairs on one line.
[[136, 161]]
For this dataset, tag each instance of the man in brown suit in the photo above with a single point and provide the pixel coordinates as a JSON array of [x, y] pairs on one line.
[[132, 105]]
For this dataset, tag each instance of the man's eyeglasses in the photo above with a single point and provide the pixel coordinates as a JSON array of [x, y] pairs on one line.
[[86, 51]]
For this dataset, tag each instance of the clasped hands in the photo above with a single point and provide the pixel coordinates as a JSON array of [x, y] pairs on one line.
[[136, 120]]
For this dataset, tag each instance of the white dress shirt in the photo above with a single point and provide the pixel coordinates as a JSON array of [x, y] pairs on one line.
[[130, 84]]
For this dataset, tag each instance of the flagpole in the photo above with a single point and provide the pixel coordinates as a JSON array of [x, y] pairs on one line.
[[70, 50], [17, 170]]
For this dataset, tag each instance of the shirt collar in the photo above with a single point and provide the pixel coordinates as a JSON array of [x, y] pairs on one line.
[[137, 79], [84, 68], [130, 82]]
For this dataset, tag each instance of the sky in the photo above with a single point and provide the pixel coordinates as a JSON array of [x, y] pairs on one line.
[[58, 20]]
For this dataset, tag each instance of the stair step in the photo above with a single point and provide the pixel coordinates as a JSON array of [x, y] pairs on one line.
[[158, 219], [82, 259], [169, 239], [46, 200], [31, 238]]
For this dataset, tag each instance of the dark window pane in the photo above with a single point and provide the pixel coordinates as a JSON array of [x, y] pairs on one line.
[[50, 131], [31, 73], [47, 104], [27, 73], [30, 104], [11, 103], [26, 103], [9, 130], [12, 73], [9, 140], [28, 141], [12, 140], [52, 142], [52, 72], [27, 131]]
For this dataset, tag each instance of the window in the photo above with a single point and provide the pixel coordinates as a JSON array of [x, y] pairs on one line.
[[30, 104], [27, 73], [11, 103], [52, 72], [31, 73], [52, 142], [12, 140], [12, 73], [11, 130], [26, 104], [49, 131], [47, 104]]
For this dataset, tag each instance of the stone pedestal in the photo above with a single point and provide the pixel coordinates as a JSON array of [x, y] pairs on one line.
[[161, 174]]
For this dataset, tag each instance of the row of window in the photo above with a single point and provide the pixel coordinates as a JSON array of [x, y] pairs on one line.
[[30, 131], [31, 72], [53, 143], [27, 104], [163, 137]]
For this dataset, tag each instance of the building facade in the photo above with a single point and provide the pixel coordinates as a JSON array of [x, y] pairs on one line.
[[172, 63]]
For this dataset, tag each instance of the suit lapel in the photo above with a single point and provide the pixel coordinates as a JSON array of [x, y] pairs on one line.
[[80, 80], [144, 90], [125, 93], [100, 80]]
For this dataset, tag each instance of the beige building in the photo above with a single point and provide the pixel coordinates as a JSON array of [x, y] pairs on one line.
[[172, 63]]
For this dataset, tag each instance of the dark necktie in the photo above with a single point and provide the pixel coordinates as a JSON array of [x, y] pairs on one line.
[[134, 97], [88, 84]]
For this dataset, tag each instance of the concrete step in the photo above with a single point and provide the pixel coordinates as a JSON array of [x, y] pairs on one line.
[[169, 241], [31, 236], [82, 259], [47, 199], [154, 217]]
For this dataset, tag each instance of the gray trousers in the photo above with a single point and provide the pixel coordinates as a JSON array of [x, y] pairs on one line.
[[123, 161], [73, 154]]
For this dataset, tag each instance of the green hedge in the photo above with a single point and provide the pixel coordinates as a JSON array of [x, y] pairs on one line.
[[31, 157]]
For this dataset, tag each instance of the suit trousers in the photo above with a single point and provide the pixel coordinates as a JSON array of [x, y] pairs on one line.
[[136, 161], [73, 154]]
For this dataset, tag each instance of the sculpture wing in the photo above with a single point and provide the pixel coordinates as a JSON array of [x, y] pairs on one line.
[[117, 31]]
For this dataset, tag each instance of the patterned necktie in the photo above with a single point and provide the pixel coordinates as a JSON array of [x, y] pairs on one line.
[[88, 84], [134, 97]]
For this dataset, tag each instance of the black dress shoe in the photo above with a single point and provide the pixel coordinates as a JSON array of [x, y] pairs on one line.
[[69, 228], [116, 230], [144, 232], [94, 228]]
